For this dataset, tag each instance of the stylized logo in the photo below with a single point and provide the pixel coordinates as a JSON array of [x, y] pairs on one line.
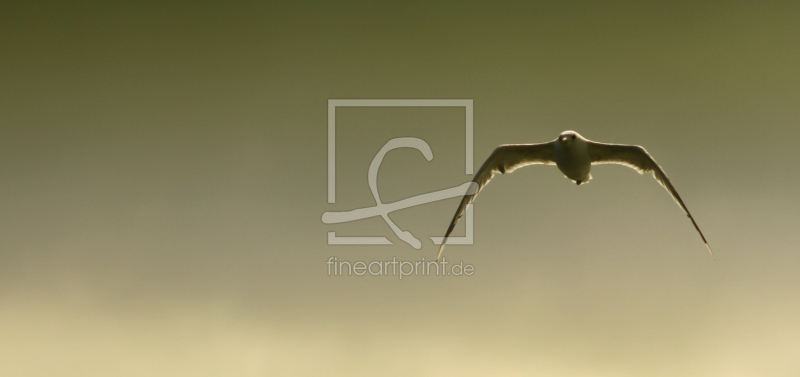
[[384, 209]]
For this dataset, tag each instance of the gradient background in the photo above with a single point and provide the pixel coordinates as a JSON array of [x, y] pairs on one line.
[[163, 174]]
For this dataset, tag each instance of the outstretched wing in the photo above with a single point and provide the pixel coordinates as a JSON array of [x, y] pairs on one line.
[[504, 159], [637, 158]]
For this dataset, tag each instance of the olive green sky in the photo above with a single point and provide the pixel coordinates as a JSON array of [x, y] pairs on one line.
[[163, 173]]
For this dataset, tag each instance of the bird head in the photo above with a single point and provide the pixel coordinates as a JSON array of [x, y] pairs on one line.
[[569, 137]]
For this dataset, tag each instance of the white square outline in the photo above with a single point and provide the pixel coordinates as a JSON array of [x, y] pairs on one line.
[[468, 160]]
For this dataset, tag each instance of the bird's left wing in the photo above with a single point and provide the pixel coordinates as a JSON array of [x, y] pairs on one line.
[[637, 158], [504, 159]]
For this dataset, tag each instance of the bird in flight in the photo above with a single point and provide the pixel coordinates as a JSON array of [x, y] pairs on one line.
[[574, 155]]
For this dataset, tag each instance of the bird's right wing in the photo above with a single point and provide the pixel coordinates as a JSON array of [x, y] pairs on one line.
[[637, 158], [504, 159]]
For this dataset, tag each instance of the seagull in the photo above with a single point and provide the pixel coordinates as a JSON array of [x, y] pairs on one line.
[[574, 155]]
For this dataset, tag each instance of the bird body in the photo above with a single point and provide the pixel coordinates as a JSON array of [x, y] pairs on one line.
[[574, 156]]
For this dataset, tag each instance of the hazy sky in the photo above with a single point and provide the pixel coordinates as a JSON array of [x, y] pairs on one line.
[[163, 174]]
